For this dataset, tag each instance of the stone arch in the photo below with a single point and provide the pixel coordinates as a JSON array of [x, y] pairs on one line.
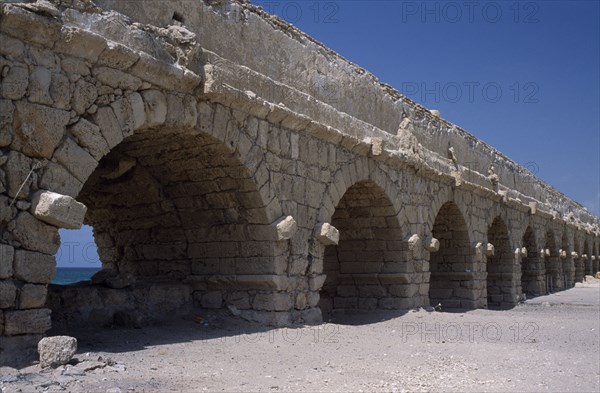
[[182, 203], [441, 198], [368, 268], [532, 266], [566, 259], [552, 262], [453, 269], [500, 267], [358, 170]]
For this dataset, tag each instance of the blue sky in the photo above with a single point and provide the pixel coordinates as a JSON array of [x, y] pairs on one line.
[[522, 76]]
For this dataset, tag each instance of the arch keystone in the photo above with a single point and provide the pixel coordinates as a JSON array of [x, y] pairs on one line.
[[286, 228], [328, 234], [59, 210]]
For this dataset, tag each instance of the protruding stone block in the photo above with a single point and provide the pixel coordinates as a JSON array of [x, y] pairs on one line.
[[584, 257], [524, 252], [56, 351], [432, 244], [286, 228], [415, 245], [376, 146], [59, 210], [546, 252], [562, 254], [533, 207], [26, 321], [328, 234], [7, 255], [479, 251], [574, 255], [490, 250]]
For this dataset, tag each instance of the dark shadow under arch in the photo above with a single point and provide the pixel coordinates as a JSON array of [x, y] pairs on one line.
[[367, 269], [500, 267], [452, 267]]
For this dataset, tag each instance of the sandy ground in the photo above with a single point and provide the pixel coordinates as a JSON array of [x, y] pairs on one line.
[[547, 344]]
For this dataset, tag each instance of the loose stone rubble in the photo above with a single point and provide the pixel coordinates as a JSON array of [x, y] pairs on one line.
[[56, 351], [216, 173]]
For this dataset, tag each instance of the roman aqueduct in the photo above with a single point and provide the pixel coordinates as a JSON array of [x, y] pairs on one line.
[[225, 158]]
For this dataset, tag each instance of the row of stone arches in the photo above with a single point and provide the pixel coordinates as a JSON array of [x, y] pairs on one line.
[[206, 214]]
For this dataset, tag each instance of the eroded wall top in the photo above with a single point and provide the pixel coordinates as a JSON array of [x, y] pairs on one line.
[[297, 73]]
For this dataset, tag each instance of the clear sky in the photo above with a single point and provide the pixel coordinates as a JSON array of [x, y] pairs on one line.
[[522, 76]]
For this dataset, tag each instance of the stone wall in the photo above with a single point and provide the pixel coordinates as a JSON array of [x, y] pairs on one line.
[[206, 170]]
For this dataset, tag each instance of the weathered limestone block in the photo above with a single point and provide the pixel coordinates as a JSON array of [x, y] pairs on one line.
[[109, 125], [562, 254], [328, 234], [130, 113], [84, 95], [8, 294], [117, 56], [7, 255], [60, 91], [286, 228], [575, 255], [59, 210], [78, 161], [32, 296], [273, 302], [26, 321], [116, 79], [56, 351], [155, 106], [80, 43], [14, 84], [28, 26], [34, 267], [181, 112], [34, 235], [58, 179], [524, 252], [10, 46], [90, 137], [38, 128], [39, 86], [72, 65]]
